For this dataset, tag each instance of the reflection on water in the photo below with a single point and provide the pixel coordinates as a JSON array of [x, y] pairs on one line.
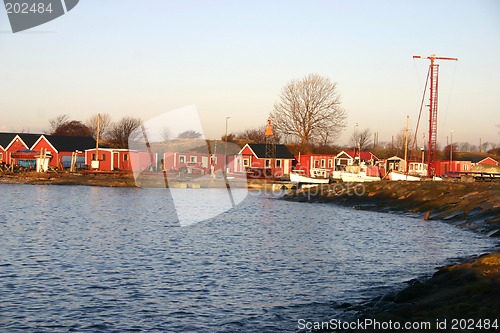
[[104, 260]]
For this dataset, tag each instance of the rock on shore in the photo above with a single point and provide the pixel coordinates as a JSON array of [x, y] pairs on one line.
[[468, 291]]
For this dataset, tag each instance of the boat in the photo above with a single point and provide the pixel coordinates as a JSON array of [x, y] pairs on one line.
[[358, 177], [299, 176], [394, 175], [360, 174]]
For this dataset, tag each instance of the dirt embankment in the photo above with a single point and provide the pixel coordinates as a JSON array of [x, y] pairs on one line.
[[474, 206], [36, 178]]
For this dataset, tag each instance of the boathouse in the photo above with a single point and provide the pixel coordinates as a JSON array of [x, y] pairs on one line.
[[11, 143], [316, 165], [486, 161], [443, 167], [63, 149], [194, 162], [346, 158], [253, 156], [119, 159]]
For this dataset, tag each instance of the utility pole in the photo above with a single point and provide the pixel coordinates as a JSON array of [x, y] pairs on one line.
[[433, 109]]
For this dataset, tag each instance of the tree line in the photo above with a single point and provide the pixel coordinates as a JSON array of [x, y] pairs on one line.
[[307, 117], [114, 134]]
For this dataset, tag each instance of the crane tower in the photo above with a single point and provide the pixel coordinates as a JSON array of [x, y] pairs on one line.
[[270, 154], [433, 109]]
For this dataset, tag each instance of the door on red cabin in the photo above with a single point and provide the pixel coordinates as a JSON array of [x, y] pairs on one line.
[[116, 160]]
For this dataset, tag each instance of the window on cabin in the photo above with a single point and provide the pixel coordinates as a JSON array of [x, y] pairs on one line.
[[103, 157], [246, 162], [278, 163], [182, 159], [1, 157], [193, 159], [323, 163], [93, 157], [125, 157], [268, 163], [330, 163]]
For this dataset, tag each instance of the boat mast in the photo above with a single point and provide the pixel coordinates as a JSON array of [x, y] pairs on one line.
[[433, 108]]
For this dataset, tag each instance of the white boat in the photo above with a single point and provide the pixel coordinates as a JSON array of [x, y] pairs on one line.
[[358, 177], [394, 175], [299, 176]]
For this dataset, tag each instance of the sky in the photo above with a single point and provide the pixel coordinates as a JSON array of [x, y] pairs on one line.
[[232, 58]]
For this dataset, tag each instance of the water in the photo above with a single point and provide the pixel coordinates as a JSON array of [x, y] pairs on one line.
[[86, 259]]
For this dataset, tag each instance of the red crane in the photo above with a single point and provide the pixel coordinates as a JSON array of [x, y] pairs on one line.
[[433, 109]]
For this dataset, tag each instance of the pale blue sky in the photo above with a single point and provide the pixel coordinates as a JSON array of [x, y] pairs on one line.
[[231, 58]]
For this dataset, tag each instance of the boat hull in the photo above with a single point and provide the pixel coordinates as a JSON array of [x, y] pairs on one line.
[[296, 178], [359, 178], [401, 176]]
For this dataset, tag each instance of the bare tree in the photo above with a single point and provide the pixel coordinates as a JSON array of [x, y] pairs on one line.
[[361, 139], [310, 110], [256, 135], [165, 134], [104, 127], [124, 130], [400, 141], [57, 122]]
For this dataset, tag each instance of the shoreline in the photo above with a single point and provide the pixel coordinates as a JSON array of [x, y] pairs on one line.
[[468, 290]]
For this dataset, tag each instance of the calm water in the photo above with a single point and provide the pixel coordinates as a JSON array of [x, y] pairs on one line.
[[85, 259]]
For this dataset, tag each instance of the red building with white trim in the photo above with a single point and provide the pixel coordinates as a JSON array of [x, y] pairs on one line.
[[316, 164], [443, 167], [12, 143], [253, 156], [198, 162], [345, 158], [117, 159], [63, 148]]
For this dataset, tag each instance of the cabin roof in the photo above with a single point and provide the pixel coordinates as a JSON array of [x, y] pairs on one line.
[[28, 138], [6, 138], [364, 155], [474, 158], [70, 143], [259, 150]]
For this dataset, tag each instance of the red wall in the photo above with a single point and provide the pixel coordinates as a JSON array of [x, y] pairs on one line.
[[456, 166], [309, 161], [43, 144], [104, 159], [488, 161]]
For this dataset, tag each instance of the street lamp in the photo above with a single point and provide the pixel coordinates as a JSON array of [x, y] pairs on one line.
[[225, 148], [356, 142], [451, 150]]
